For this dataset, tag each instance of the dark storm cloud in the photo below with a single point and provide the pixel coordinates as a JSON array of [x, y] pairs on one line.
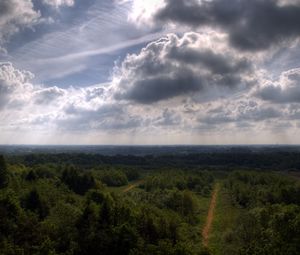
[[251, 24], [5, 8], [286, 90], [173, 66], [155, 89], [218, 63], [280, 95]]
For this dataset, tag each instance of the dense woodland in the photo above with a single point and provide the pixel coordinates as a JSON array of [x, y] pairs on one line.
[[225, 160], [270, 218], [83, 204]]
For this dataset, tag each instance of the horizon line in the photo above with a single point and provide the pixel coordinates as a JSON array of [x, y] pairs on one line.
[[149, 145]]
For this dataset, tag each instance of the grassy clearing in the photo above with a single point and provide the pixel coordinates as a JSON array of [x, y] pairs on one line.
[[203, 210], [225, 217], [125, 188]]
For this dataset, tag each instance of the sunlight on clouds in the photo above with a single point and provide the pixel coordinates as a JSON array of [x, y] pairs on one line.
[[185, 72], [143, 10], [58, 3], [94, 115], [173, 66], [288, 2]]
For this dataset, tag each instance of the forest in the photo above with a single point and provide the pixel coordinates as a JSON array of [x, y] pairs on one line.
[[56, 204]]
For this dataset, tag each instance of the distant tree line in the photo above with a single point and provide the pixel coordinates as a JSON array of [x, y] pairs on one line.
[[274, 160]]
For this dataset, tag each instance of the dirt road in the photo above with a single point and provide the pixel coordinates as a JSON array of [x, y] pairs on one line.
[[132, 186], [210, 215]]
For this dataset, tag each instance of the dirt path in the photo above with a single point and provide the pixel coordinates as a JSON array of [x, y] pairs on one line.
[[132, 186], [210, 215]]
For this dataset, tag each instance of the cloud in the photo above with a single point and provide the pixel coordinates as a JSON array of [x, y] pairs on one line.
[[285, 90], [16, 15], [48, 95], [251, 25], [194, 64], [25, 105], [106, 116], [142, 11], [79, 112], [241, 113], [15, 85], [168, 118], [59, 3], [3, 51], [17, 90], [83, 50]]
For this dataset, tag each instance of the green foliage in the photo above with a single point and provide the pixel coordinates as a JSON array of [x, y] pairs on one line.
[[79, 183], [132, 174], [45, 170], [9, 213], [250, 189], [4, 176], [245, 158], [205, 251], [199, 182], [114, 178], [31, 176], [269, 222], [96, 196], [183, 202], [64, 210], [34, 203], [270, 230]]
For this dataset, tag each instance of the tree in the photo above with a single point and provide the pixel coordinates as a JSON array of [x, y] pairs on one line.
[[9, 213], [4, 177], [106, 212], [79, 183], [35, 204], [204, 251], [114, 178], [31, 176], [189, 203]]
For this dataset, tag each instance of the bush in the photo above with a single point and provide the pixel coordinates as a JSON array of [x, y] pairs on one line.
[[114, 178]]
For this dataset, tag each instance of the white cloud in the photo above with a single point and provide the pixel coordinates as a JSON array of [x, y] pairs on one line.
[[59, 3], [15, 86], [288, 2], [48, 95], [16, 15], [142, 11]]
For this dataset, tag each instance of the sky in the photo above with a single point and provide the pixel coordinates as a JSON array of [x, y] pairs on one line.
[[149, 72]]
